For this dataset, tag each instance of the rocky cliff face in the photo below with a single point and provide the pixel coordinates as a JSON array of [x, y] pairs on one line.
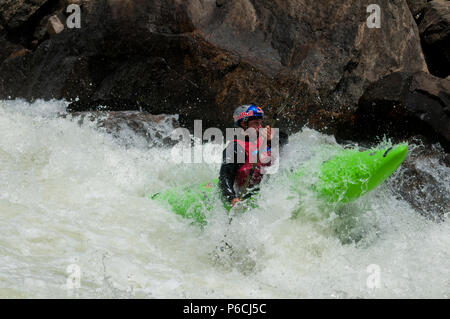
[[202, 58]]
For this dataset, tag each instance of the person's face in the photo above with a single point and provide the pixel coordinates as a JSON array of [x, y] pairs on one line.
[[256, 124]]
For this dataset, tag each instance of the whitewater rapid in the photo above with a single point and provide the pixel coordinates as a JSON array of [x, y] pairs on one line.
[[75, 223]]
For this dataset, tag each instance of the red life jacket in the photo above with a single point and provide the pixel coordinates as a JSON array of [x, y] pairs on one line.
[[251, 150]]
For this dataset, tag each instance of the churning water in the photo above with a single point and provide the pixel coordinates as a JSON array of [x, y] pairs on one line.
[[75, 222]]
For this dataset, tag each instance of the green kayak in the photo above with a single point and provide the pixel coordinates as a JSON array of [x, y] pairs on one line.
[[343, 178]]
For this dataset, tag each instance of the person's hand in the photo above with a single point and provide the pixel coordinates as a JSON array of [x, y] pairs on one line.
[[267, 133], [234, 201]]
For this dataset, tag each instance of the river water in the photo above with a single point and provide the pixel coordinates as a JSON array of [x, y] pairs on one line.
[[75, 223]]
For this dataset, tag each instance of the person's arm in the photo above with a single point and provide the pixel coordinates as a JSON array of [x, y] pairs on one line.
[[229, 169], [271, 163], [283, 137]]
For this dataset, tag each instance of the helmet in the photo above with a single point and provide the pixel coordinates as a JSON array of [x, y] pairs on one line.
[[245, 112]]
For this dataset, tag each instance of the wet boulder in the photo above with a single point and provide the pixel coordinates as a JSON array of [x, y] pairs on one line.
[[132, 127], [200, 59], [14, 13], [7, 48], [434, 31], [423, 179], [404, 104]]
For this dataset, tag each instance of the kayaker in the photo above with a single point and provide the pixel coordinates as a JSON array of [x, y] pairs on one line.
[[236, 163]]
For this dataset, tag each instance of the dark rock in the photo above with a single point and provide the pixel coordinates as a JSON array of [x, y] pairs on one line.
[[416, 6], [34, 44], [423, 180], [402, 105], [130, 127], [21, 19], [77, 2], [7, 48], [13, 13], [429, 99], [435, 35], [40, 32], [447, 159], [200, 59], [220, 3]]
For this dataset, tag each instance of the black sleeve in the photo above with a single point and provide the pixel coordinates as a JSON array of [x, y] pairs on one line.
[[229, 169]]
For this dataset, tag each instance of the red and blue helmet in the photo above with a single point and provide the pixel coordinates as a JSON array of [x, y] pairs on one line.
[[246, 112]]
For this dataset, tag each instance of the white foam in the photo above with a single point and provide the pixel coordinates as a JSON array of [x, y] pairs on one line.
[[72, 195]]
